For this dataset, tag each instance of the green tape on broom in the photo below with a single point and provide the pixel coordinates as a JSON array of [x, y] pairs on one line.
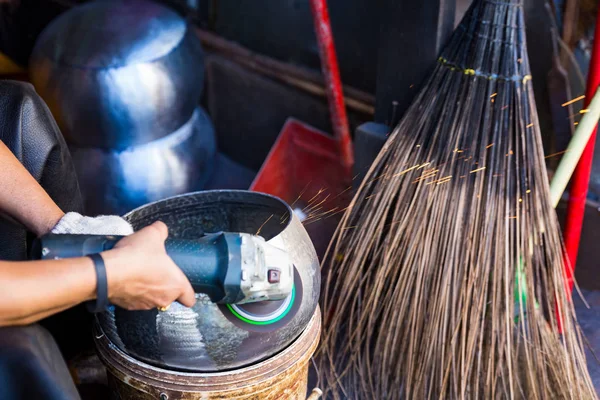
[[562, 176]]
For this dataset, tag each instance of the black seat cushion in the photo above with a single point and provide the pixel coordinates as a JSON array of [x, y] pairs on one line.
[[30, 132]]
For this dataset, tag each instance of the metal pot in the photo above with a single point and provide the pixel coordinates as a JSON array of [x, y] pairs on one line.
[[211, 337], [114, 181], [117, 74]]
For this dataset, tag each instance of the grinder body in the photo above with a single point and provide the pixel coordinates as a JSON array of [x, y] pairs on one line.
[[230, 268]]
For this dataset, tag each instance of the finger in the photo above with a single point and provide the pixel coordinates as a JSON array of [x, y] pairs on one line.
[[187, 296], [162, 229], [152, 232]]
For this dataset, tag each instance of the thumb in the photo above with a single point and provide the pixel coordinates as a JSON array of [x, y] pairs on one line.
[[187, 296]]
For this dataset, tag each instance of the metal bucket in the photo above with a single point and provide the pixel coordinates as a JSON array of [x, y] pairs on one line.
[[283, 376]]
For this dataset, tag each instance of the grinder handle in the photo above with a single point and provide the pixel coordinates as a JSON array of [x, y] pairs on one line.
[[212, 263]]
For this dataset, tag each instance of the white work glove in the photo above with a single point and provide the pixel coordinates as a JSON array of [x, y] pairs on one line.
[[77, 224]]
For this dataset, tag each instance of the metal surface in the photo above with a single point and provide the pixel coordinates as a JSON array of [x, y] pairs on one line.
[[118, 73], [283, 376], [115, 182], [211, 337], [304, 169]]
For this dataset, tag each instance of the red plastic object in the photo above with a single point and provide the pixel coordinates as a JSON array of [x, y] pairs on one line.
[[304, 169], [581, 176]]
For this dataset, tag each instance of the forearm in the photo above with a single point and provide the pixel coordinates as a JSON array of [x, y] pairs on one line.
[[22, 198], [30, 291]]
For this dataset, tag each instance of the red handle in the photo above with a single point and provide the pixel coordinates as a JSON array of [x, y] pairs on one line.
[[581, 176], [333, 84]]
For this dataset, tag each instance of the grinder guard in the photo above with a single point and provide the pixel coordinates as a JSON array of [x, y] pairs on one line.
[[214, 337]]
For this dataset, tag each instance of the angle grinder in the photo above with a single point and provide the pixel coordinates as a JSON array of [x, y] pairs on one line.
[[230, 268]]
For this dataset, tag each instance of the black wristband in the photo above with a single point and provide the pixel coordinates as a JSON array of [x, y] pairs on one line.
[[101, 302]]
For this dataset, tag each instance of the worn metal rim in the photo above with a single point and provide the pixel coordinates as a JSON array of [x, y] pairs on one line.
[[138, 374]]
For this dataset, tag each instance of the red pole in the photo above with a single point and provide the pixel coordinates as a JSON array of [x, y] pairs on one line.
[[333, 83], [581, 176]]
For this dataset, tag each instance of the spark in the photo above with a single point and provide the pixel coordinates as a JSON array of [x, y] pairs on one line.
[[519, 60], [515, 217], [520, 200], [301, 193], [576, 123], [494, 95], [329, 212], [529, 126], [312, 213], [264, 223], [316, 195], [584, 111], [378, 178], [463, 176], [477, 170], [426, 175], [492, 100], [355, 176], [307, 222], [528, 191], [350, 227], [283, 221], [373, 195], [411, 86], [342, 192], [317, 205], [405, 171], [424, 165], [575, 100], [556, 154], [510, 153], [441, 180], [340, 211], [489, 145], [418, 145]]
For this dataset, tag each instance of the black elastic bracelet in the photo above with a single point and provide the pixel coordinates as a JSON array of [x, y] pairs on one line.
[[101, 302]]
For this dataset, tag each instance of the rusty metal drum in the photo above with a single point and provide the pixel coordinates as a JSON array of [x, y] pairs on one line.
[[283, 376], [213, 337]]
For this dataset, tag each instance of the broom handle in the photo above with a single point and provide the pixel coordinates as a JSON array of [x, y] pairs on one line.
[[577, 145], [581, 176], [565, 169], [333, 83]]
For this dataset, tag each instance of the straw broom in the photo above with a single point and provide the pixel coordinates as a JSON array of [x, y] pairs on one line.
[[445, 277]]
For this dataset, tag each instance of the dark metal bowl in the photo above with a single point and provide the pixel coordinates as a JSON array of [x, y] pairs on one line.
[[118, 73], [211, 337], [114, 182]]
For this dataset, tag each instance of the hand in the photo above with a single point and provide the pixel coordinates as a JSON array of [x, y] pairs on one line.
[[141, 275]]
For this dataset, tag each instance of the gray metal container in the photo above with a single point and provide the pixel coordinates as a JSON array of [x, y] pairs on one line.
[[211, 337], [118, 73], [117, 181]]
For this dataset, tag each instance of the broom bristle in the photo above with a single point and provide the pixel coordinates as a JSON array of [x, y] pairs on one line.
[[452, 221]]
